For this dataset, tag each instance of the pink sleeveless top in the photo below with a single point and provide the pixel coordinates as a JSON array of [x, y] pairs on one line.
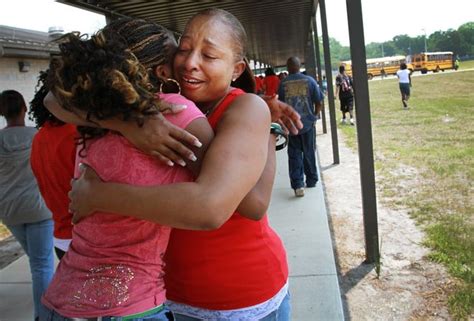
[[114, 266]]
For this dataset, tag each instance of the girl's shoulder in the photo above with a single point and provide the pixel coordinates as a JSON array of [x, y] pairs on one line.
[[184, 117]]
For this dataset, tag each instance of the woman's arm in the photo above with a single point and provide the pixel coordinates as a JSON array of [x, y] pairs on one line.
[[232, 166], [77, 118], [255, 204], [157, 137]]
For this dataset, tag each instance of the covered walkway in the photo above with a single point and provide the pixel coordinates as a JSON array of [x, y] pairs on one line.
[[301, 222]]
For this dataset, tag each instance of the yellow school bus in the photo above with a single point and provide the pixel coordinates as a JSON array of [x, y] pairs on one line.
[[381, 66], [433, 61]]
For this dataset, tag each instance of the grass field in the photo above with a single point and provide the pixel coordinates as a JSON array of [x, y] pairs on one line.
[[425, 162], [466, 64]]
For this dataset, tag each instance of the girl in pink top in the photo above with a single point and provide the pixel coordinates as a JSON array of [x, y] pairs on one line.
[[114, 267]]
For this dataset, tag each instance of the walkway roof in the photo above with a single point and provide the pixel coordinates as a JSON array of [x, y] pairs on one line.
[[276, 29]]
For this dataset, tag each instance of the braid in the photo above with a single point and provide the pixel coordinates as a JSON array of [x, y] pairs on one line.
[[148, 41]]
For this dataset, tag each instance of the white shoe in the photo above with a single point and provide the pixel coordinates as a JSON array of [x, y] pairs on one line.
[[343, 121], [352, 122], [299, 192]]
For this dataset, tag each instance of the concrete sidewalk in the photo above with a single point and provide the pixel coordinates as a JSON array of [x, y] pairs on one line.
[[302, 224]]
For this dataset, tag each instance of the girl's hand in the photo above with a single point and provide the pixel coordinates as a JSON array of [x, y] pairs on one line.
[[160, 138], [283, 114], [83, 193]]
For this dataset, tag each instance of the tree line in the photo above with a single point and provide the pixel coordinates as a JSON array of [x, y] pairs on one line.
[[460, 41]]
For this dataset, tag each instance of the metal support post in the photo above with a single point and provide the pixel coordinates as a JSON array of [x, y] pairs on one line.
[[364, 129], [318, 64], [328, 68]]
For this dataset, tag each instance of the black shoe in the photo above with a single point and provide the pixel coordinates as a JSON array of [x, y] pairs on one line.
[[311, 185]]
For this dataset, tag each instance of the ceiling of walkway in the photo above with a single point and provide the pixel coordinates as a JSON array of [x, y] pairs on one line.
[[276, 29]]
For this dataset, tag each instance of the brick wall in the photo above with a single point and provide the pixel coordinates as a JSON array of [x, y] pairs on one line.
[[23, 82]]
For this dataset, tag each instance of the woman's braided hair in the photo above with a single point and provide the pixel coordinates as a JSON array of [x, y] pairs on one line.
[[101, 77]]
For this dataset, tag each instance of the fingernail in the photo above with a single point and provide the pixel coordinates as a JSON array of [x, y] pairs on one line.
[[193, 157], [170, 163], [197, 143], [182, 163]]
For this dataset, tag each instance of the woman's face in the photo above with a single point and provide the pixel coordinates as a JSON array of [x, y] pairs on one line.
[[205, 62]]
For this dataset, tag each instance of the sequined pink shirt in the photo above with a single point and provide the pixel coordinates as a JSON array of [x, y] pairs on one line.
[[114, 266]]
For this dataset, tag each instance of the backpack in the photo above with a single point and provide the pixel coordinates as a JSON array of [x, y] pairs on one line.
[[346, 86]]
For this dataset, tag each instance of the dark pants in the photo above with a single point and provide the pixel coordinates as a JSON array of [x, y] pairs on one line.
[[302, 159]]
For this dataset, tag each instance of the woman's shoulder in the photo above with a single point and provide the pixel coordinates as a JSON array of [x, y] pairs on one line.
[[250, 103]]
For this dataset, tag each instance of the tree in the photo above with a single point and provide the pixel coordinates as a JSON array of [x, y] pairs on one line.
[[403, 44], [466, 33]]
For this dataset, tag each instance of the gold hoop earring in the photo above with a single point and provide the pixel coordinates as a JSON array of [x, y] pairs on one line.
[[170, 86]]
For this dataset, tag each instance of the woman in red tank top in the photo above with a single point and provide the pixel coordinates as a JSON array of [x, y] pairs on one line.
[[234, 267]]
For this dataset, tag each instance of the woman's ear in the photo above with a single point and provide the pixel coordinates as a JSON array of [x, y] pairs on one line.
[[239, 68]]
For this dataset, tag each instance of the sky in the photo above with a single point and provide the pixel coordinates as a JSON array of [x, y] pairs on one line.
[[383, 19]]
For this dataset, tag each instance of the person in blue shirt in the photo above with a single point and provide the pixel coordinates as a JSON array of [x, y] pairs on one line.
[[303, 93]]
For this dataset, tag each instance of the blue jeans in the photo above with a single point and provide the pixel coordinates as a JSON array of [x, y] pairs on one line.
[[36, 239], [281, 314], [162, 315], [302, 159]]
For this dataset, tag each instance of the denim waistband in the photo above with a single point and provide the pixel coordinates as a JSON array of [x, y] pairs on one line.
[[122, 318]]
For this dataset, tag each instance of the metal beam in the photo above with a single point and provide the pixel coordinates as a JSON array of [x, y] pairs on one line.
[[364, 129], [310, 58], [328, 68], [318, 64]]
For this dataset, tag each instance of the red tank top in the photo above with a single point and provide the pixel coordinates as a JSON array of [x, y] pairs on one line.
[[271, 85], [241, 264]]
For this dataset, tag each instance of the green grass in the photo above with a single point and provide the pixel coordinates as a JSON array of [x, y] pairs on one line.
[[466, 64], [434, 140]]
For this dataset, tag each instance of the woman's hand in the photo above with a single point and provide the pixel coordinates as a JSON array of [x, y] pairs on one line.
[[160, 138], [157, 137], [283, 114], [83, 193]]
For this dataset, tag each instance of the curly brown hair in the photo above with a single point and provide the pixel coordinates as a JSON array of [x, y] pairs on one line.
[[102, 78]]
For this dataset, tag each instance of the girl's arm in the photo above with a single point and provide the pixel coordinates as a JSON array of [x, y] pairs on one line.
[[231, 167]]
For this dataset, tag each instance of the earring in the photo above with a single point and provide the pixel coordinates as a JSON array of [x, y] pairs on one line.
[[170, 86]]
